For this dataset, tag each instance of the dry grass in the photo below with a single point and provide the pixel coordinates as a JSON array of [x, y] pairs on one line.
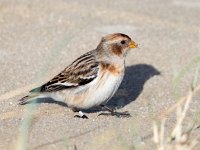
[[178, 139]]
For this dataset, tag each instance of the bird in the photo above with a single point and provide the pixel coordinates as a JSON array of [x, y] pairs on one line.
[[92, 79]]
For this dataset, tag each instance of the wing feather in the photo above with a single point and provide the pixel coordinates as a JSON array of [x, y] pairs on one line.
[[82, 71]]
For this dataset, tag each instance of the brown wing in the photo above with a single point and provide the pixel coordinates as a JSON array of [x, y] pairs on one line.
[[82, 71]]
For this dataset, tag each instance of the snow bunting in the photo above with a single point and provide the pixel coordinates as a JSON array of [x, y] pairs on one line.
[[92, 79]]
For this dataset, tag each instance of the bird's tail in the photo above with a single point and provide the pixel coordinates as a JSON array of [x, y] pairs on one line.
[[27, 99]]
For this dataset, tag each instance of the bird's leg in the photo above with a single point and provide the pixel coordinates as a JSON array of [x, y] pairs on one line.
[[113, 112], [75, 109], [80, 114]]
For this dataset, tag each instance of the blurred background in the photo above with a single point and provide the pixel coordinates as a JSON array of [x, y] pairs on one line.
[[38, 39]]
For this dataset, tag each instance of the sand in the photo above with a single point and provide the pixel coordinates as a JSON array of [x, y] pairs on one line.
[[38, 39]]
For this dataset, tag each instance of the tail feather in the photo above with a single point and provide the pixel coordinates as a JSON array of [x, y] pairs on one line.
[[23, 100], [35, 90], [26, 99], [34, 93]]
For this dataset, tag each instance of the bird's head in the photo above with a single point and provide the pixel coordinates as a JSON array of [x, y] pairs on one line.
[[117, 44]]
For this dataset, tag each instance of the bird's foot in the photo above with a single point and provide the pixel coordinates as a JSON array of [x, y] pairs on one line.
[[117, 114], [113, 112], [81, 115]]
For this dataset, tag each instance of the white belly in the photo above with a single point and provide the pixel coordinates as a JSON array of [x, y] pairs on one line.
[[102, 91], [93, 94]]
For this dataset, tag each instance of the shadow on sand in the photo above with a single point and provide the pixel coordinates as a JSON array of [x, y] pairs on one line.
[[131, 87]]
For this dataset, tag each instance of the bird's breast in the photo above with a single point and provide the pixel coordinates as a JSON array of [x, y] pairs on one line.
[[113, 69], [99, 90], [104, 86]]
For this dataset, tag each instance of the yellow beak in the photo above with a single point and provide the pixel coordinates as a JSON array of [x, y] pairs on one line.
[[133, 45]]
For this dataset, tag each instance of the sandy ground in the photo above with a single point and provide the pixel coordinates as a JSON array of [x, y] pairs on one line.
[[39, 38]]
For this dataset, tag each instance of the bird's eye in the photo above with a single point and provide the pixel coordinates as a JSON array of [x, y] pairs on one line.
[[123, 42]]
